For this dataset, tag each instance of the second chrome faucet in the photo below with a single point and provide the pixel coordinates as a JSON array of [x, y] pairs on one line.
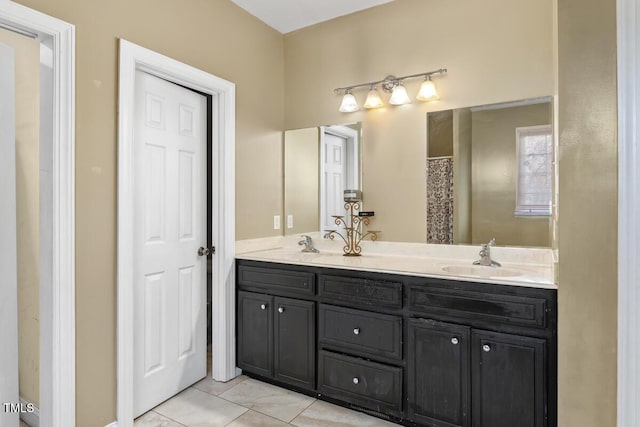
[[485, 255]]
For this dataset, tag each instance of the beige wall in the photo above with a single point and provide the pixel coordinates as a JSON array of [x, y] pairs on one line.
[[587, 228], [495, 50], [302, 180], [493, 183], [213, 35], [27, 65]]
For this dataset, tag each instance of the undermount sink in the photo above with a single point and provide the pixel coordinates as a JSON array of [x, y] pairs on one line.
[[481, 271]]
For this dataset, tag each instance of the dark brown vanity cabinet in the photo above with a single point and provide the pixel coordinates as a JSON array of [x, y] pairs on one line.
[[255, 333], [488, 364], [508, 377], [439, 382], [276, 335], [456, 371], [419, 351]]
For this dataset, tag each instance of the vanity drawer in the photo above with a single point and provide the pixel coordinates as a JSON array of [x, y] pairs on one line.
[[362, 332], [362, 291], [361, 382], [508, 309], [276, 280]]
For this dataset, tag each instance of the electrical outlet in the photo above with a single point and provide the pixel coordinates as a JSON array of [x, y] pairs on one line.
[[276, 222], [289, 221]]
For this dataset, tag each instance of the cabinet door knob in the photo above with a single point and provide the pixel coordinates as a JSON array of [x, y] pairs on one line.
[[356, 331], [454, 340], [356, 380], [486, 348], [263, 306], [280, 309]]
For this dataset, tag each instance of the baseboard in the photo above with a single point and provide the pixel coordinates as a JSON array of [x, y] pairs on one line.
[[31, 418], [113, 424]]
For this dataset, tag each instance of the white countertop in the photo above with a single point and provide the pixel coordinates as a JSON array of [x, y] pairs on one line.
[[520, 266]]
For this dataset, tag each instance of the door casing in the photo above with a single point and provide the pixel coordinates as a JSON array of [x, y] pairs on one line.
[[57, 209], [222, 195]]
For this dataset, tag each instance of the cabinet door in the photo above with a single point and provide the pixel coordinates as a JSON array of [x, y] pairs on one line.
[[295, 338], [508, 380], [438, 376], [255, 333]]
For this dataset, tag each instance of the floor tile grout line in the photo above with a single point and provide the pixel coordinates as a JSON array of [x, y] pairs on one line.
[[251, 408], [315, 399], [163, 415], [238, 415], [222, 392]]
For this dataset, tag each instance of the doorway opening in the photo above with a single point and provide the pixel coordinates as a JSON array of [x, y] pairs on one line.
[[56, 287], [220, 216]]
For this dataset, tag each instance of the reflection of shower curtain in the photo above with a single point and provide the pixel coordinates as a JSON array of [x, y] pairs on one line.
[[440, 200]]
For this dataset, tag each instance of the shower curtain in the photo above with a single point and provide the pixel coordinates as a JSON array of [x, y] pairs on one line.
[[440, 200]]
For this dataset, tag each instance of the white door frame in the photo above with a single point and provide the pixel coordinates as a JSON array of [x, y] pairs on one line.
[[132, 58], [628, 28], [57, 209]]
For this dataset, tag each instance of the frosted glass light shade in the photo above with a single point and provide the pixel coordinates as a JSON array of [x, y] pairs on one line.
[[349, 104], [373, 100], [427, 92], [399, 96]]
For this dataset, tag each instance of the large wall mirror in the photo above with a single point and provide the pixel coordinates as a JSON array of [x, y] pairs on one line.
[[320, 163], [488, 174]]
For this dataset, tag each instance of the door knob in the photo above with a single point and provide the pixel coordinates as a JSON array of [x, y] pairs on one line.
[[202, 251], [280, 309], [454, 340], [486, 348]]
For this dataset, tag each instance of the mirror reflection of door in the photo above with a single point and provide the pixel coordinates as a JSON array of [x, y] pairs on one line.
[[339, 171]]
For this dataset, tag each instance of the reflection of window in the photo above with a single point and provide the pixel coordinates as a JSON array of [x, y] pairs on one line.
[[534, 156]]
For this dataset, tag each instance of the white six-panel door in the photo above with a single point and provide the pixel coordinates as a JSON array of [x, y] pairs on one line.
[[170, 226], [334, 177]]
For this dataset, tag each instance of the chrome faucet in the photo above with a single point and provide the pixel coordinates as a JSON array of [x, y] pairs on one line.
[[308, 244], [485, 255]]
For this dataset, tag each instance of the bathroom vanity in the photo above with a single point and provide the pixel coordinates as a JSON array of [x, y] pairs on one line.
[[415, 348]]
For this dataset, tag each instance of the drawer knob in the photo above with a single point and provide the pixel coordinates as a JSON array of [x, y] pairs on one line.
[[454, 341], [280, 309], [356, 331], [263, 306], [356, 380], [486, 348]]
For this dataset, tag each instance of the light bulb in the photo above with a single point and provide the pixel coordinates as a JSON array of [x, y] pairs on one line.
[[349, 103], [427, 91], [373, 99], [399, 96]]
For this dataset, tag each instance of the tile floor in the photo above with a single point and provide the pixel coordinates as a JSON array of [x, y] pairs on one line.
[[245, 402]]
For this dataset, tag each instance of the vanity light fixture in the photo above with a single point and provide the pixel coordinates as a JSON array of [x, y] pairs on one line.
[[373, 99], [391, 84], [349, 103], [399, 96], [427, 91]]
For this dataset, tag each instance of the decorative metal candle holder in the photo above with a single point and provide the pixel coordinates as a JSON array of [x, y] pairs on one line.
[[353, 227]]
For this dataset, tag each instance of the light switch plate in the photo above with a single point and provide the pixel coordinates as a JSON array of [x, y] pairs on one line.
[[276, 222], [289, 221]]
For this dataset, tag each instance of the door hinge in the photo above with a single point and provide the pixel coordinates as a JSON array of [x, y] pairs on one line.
[[213, 250]]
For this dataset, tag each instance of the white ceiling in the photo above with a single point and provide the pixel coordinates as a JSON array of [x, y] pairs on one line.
[[290, 15]]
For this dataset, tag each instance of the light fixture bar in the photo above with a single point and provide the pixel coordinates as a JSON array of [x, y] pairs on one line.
[[391, 79]]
